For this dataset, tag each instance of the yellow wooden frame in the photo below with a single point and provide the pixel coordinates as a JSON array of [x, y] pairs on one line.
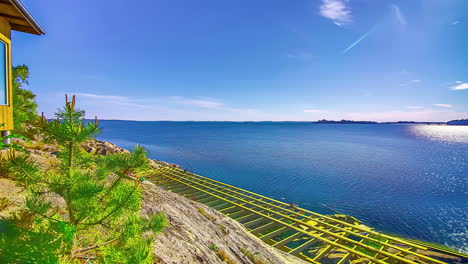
[[6, 111], [297, 230]]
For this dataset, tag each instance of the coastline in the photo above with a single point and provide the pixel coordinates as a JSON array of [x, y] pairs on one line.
[[112, 148], [194, 230], [184, 214]]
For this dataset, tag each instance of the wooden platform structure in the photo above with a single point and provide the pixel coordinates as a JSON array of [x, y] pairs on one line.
[[310, 236]]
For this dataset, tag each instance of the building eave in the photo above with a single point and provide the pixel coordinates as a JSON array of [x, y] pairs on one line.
[[27, 23]]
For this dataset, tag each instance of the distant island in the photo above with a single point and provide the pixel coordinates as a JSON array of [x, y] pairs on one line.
[[461, 122], [414, 122], [324, 121]]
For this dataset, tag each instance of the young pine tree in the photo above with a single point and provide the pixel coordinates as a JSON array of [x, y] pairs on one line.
[[86, 208]]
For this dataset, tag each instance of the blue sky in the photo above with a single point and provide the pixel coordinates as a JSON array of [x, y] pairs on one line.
[[251, 60]]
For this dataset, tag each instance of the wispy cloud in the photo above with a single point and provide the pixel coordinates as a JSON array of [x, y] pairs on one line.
[[336, 10], [111, 106], [443, 105], [461, 86], [165, 108], [202, 102], [410, 82], [415, 107], [422, 115], [400, 18], [455, 22], [199, 102], [102, 97], [303, 56]]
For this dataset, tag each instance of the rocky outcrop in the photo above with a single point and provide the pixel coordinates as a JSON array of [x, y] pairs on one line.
[[196, 232], [98, 147], [42, 152], [102, 148]]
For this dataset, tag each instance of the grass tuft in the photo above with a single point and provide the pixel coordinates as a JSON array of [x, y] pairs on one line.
[[256, 258], [204, 213], [4, 203], [222, 255]]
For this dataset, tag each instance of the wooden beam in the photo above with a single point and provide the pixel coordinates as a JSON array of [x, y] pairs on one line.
[[12, 16], [23, 28]]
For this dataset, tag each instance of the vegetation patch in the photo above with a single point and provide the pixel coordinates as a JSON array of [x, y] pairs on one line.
[[223, 229], [202, 211], [221, 254], [85, 209], [255, 258], [4, 203]]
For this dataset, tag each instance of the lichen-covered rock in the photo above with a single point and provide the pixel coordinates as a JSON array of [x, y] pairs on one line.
[[195, 229], [98, 147], [11, 197], [102, 148]]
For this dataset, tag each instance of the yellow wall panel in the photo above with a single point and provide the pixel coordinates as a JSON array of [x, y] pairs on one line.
[[6, 111]]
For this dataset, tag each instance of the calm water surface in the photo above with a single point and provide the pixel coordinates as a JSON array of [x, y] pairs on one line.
[[408, 180]]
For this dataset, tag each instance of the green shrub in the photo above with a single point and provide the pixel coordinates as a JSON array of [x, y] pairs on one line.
[[25, 110], [86, 209]]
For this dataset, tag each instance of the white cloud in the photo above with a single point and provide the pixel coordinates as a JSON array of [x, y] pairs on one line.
[[410, 82], [443, 105], [461, 86], [312, 111], [458, 82], [455, 22], [415, 107], [399, 15], [336, 10]]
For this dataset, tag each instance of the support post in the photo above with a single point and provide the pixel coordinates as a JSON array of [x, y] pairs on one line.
[[7, 140]]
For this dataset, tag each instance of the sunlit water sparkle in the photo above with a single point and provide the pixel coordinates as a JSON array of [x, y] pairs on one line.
[[442, 132]]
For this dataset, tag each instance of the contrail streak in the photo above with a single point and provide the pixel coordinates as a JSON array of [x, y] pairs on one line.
[[361, 38], [397, 14]]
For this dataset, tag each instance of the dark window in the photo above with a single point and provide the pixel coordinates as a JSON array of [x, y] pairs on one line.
[[3, 74]]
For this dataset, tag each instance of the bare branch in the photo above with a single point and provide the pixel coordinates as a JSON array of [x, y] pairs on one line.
[[93, 247]]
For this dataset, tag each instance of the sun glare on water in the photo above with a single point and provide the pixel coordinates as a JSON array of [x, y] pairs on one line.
[[442, 133]]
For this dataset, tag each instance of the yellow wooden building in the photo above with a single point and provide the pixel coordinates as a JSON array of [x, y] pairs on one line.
[[13, 16]]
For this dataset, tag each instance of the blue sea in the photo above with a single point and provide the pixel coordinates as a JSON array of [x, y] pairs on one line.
[[408, 180]]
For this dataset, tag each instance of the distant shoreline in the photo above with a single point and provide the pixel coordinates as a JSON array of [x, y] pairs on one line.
[[463, 122]]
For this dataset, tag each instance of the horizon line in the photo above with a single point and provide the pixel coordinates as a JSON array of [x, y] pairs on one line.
[[271, 121]]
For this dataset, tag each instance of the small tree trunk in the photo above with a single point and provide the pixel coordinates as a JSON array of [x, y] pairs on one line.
[[70, 158], [71, 214]]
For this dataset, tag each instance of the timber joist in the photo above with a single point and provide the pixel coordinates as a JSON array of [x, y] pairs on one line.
[[308, 235]]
